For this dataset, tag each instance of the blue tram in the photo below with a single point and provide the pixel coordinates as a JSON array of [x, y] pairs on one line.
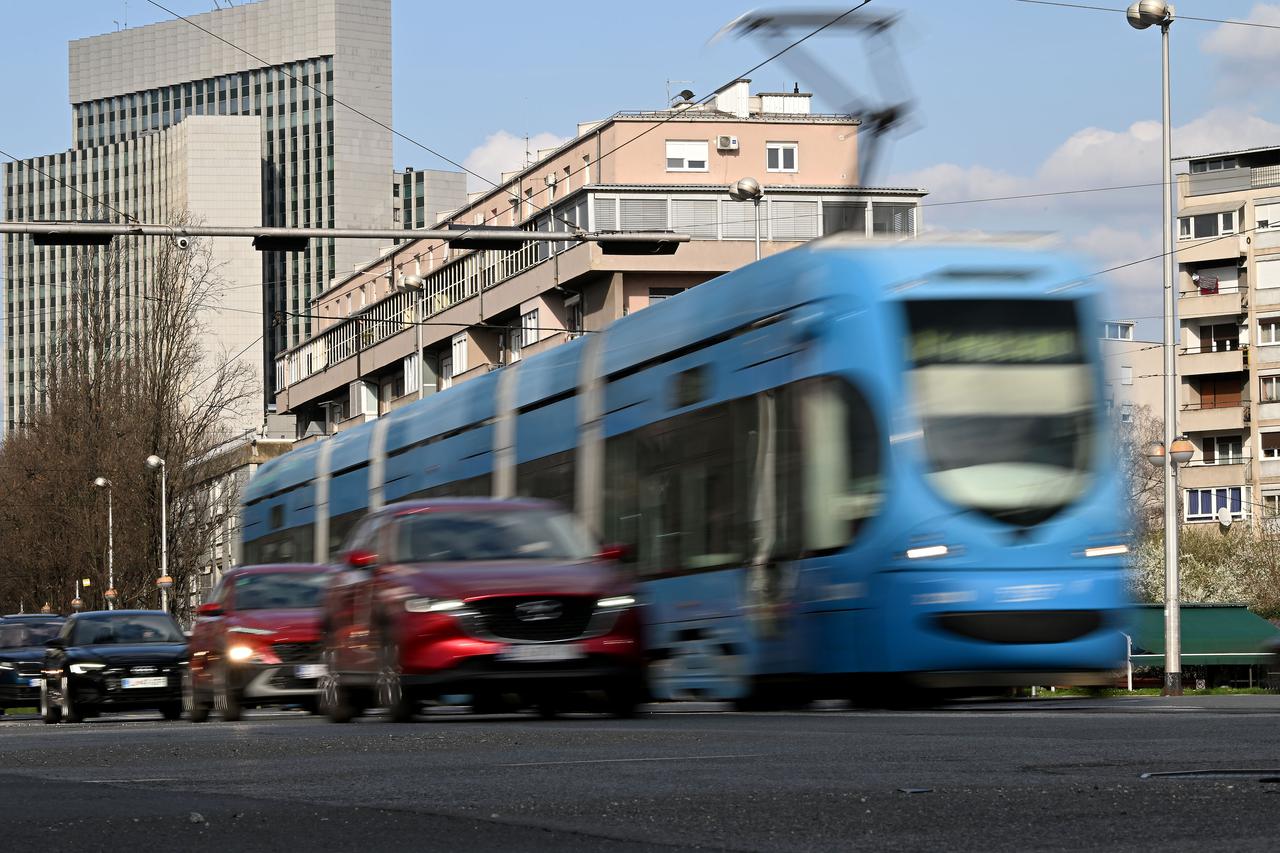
[[844, 463]]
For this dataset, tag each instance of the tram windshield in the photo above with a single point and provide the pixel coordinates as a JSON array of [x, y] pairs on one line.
[[1004, 394]]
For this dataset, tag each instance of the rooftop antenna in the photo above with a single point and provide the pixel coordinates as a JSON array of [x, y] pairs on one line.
[[880, 118], [526, 149], [682, 94]]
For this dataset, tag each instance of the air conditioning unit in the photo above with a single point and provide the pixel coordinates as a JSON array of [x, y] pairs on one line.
[[726, 143]]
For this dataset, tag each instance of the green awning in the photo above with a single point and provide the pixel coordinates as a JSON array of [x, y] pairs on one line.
[[1211, 634]]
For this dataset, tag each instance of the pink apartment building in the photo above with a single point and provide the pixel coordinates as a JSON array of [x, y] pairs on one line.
[[668, 170]]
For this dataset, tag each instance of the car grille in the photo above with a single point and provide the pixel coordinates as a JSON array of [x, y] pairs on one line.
[[500, 617], [297, 652]]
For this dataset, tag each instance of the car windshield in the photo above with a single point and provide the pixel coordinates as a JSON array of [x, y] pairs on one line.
[[126, 629], [431, 537], [1005, 397], [279, 590], [17, 635]]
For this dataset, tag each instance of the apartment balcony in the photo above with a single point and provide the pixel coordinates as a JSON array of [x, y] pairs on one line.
[[1203, 475], [1268, 354], [1228, 247], [1270, 469], [1198, 361], [1209, 302], [1215, 419], [1233, 180]]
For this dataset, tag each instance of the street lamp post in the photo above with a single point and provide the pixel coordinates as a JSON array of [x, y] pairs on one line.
[[156, 463], [1141, 15], [110, 594], [748, 189], [1180, 452]]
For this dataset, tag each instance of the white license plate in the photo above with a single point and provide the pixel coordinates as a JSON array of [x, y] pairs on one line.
[[152, 681], [33, 682], [309, 670], [541, 653]]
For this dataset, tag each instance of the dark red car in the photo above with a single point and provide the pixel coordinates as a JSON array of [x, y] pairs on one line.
[[507, 601], [256, 641]]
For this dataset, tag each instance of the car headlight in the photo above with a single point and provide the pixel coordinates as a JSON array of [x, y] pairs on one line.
[[5, 665], [616, 601], [239, 654], [86, 668], [433, 605]]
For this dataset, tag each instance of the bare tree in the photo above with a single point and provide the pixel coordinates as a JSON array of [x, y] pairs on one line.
[[129, 377]]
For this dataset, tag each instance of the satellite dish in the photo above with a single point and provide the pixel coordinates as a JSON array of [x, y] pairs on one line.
[[1224, 516]]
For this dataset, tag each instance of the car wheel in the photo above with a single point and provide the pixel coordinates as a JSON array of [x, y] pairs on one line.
[[70, 713], [172, 711], [49, 712], [391, 695], [226, 699], [196, 706], [336, 701]]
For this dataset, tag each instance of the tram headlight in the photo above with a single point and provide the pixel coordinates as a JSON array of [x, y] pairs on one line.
[[433, 605], [239, 654], [616, 602], [1107, 551]]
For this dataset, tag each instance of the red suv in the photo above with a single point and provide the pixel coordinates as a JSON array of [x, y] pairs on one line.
[[500, 600], [256, 641]]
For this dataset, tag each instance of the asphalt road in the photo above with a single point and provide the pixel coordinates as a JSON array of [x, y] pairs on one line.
[[1056, 774]]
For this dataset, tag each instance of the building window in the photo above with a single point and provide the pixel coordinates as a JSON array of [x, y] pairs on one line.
[[1271, 445], [1214, 165], [781, 156], [529, 328], [1223, 450], [446, 372], [1267, 216], [1126, 375], [1269, 330], [1126, 413], [575, 318], [1203, 504], [1206, 225], [1270, 390], [1271, 506], [1117, 331], [657, 294], [459, 349], [1220, 337], [687, 156]]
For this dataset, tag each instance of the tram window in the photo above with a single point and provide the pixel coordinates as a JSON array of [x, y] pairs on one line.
[[841, 450], [551, 477], [339, 527], [679, 490]]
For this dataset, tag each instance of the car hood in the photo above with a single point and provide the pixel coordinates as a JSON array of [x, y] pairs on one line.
[[153, 653], [26, 653], [282, 623], [510, 577]]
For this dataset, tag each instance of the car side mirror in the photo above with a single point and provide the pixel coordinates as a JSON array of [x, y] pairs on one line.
[[361, 559], [616, 552], [55, 643], [211, 608]]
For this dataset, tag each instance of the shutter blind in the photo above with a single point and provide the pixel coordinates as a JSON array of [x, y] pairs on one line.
[[793, 220], [738, 220], [606, 213], [643, 214], [694, 216]]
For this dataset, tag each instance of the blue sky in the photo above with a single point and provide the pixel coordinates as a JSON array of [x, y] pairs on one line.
[[1010, 97]]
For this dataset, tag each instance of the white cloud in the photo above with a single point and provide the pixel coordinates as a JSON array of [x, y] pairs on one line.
[[1246, 55], [505, 152]]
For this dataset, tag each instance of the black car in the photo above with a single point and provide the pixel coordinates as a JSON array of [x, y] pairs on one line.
[[113, 660], [22, 639]]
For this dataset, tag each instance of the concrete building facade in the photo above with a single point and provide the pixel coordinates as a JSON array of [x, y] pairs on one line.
[[422, 196], [1133, 371], [285, 66], [1228, 253], [476, 311]]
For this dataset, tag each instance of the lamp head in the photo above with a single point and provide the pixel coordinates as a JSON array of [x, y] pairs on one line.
[[413, 282], [101, 481], [747, 189], [154, 462], [1147, 13], [1155, 454], [1181, 450]]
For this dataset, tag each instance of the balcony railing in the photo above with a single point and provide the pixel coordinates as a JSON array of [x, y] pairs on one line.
[[442, 290]]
